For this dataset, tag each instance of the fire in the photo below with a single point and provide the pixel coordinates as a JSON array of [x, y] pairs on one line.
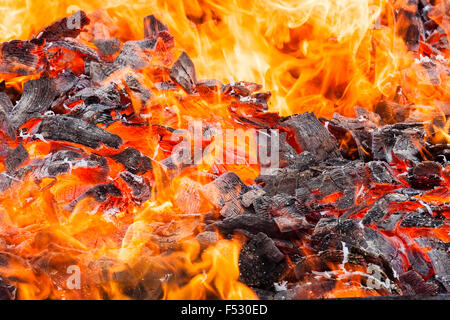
[[322, 56]]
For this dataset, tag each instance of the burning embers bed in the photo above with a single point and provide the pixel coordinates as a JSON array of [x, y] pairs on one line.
[[112, 188]]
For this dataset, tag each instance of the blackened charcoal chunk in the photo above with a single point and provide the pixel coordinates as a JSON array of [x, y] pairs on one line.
[[139, 89], [5, 181], [432, 243], [425, 175], [413, 284], [100, 193], [75, 46], [21, 57], [250, 196], [421, 218], [140, 186], [100, 71], [224, 189], [7, 291], [381, 173], [440, 261], [292, 223], [94, 113], [15, 158], [106, 95], [66, 27], [312, 136], [207, 238], [136, 54], [5, 103], [63, 128], [153, 27], [310, 290], [37, 97], [252, 223], [261, 263], [134, 161], [5, 122], [208, 87], [304, 161], [418, 261], [108, 46], [183, 73], [390, 223], [376, 213]]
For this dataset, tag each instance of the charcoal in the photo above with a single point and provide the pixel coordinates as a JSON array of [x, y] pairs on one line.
[[425, 175], [312, 136], [289, 224], [224, 189], [330, 233], [75, 46], [391, 223], [108, 46], [183, 73], [380, 172], [421, 218], [133, 161], [63, 128], [65, 83], [106, 95], [432, 243], [65, 27], [359, 130], [304, 161], [376, 213], [5, 181], [137, 88], [21, 57], [5, 122], [140, 186], [136, 54], [231, 208], [208, 87], [250, 222], [400, 139], [7, 291], [309, 290], [261, 263], [5, 103], [440, 260], [37, 98], [413, 284], [93, 113], [100, 71], [289, 157], [153, 27], [391, 112], [343, 179], [15, 158], [364, 114], [418, 261], [248, 197], [283, 181], [207, 238], [240, 89], [100, 193], [406, 146]]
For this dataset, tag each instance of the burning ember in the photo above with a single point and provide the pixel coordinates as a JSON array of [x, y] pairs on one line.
[[142, 159]]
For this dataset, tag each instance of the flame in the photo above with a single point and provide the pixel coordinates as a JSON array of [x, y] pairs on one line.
[[323, 56]]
